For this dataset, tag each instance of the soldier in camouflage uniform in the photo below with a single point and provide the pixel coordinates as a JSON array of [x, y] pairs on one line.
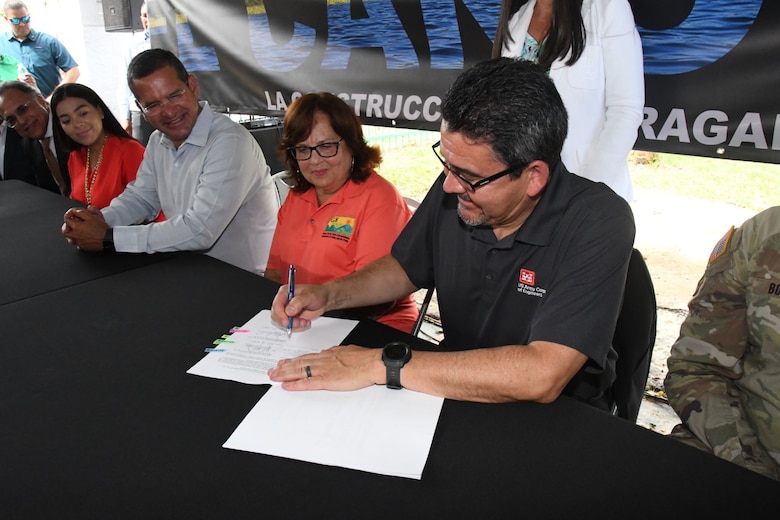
[[724, 369]]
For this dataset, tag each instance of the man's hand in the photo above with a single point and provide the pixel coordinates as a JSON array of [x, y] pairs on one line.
[[85, 228], [337, 368], [29, 79], [309, 303]]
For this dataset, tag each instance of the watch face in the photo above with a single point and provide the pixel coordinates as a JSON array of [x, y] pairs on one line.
[[395, 351]]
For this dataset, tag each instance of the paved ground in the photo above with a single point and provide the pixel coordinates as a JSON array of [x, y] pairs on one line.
[[675, 235]]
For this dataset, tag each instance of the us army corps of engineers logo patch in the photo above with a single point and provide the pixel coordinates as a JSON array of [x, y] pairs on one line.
[[526, 284]]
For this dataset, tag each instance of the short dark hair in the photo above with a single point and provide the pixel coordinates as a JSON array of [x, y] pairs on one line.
[[298, 122], [513, 106], [152, 60], [77, 90]]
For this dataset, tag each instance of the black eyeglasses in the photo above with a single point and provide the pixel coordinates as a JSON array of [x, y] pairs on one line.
[[472, 186], [23, 19], [11, 120], [324, 150]]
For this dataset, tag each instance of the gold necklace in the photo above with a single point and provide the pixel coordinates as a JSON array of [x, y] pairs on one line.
[[90, 175]]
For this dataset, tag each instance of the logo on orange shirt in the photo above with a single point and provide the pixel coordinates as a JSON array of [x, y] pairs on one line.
[[340, 228]]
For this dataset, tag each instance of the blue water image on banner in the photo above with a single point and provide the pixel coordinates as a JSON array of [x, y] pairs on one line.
[[711, 30], [382, 29]]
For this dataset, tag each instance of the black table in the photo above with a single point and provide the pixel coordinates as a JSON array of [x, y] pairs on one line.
[[100, 420], [34, 256]]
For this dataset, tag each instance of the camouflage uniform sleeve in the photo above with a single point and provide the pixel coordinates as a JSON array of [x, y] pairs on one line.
[[707, 362]]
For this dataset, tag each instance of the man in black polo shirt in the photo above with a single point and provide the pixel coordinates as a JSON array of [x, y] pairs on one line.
[[529, 263]]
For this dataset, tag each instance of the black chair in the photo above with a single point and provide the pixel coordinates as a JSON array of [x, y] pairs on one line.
[[413, 205], [423, 309], [634, 339]]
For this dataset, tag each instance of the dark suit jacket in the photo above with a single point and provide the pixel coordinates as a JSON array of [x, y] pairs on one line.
[[16, 165], [32, 150]]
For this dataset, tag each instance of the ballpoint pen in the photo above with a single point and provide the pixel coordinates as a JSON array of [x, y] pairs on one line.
[[290, 295]]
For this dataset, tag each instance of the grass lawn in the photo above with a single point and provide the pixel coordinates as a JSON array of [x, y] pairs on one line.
[[745, 184]]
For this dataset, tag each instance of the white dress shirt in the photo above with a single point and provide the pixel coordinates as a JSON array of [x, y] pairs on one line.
[[215, 191]]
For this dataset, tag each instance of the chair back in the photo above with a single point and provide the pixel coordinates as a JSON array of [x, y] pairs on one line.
[[282, 186], [634, 339]]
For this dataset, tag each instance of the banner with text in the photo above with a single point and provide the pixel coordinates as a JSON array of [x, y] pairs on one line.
[[710, 87]]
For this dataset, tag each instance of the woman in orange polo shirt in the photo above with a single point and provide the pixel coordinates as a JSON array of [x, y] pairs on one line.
[[340, 215]]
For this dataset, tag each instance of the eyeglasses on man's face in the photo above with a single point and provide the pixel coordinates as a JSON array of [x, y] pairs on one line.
[[17, 21], [475, 183], [154, 108], [11, 121], [324, 150]]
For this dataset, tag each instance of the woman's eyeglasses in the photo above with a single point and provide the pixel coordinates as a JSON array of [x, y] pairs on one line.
[[324, 150]]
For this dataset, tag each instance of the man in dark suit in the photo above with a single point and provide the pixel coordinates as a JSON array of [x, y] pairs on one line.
[[27, 113], [14, 166]]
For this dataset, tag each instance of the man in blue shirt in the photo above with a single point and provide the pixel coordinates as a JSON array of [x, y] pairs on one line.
[[43, 55]]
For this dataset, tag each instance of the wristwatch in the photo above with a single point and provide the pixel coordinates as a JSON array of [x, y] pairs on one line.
[[395, 355], [108, 241]]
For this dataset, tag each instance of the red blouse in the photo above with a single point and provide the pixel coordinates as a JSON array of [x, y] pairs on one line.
[[121, 158]]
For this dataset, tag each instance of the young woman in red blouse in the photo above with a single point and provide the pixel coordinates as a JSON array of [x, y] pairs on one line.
[[103, 157]]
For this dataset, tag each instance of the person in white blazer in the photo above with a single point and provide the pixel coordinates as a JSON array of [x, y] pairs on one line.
[[593, 53]]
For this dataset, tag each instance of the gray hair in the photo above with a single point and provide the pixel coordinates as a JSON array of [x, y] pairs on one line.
[[14, 4], [21, 86]]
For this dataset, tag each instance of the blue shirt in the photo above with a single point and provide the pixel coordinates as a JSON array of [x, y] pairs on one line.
[[42, 54]]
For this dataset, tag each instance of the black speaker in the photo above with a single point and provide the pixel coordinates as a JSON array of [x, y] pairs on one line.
[[122, 15], [267, 131]]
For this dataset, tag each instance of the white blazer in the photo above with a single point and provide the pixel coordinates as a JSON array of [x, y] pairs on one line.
[[603, 92]]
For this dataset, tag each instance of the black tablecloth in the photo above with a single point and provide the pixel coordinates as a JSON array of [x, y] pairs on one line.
[[34, 256], [98, 419]]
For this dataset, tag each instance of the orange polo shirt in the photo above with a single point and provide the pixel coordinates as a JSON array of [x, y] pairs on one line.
[[356, 226]]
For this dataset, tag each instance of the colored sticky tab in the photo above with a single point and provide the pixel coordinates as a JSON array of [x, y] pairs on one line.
[[236, 329], [215, 350], [220, 341]]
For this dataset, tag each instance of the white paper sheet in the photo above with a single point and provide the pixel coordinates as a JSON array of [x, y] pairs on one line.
[[374, 429], [249, 352]]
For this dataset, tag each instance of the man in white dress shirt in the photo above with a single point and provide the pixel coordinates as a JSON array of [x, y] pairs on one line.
[[206, 173]]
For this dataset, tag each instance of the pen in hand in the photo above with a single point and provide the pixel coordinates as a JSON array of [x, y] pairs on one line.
[[290, 295]]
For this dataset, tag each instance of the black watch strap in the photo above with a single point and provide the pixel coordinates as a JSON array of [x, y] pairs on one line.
[[394, 378], [108, 241], [395, 355]]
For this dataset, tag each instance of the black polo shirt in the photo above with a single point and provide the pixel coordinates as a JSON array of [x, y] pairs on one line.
[[559, 278]]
